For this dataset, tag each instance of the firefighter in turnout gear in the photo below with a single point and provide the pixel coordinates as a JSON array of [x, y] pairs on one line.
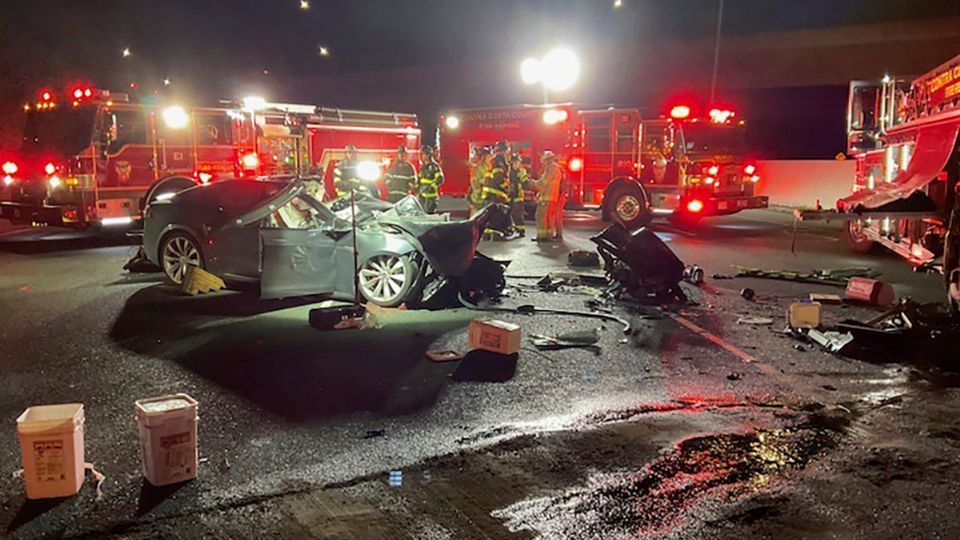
[[518, 182], [478, 173], [345, 175], [496, 185], [401, 177], [431, 177], [548, 198]]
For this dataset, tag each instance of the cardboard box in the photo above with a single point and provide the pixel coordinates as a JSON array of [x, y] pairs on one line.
[[494, 336], [804, 315]]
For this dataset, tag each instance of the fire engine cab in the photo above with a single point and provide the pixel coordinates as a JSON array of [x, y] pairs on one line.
[[628, 167], [91, 157], [903, 136]]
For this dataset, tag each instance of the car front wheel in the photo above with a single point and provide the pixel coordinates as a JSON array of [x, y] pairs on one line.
[[178, 252], [387, 280]]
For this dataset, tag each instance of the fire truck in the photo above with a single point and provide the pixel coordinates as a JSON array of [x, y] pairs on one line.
[[94, 158], [903, 136], [628, 167]]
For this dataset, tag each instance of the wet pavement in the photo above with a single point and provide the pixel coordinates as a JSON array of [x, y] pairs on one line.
[[692, 426]]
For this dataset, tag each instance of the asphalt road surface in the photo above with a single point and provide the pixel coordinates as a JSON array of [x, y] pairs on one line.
[[691, 426]]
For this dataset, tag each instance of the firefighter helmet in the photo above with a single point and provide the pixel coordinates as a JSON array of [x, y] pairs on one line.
[[501, 146], [548, 156], [427, 149]]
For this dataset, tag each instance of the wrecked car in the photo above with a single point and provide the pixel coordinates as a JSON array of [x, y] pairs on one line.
[[277, 233]]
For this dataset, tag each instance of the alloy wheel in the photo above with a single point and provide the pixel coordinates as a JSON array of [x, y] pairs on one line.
[[179, 253]]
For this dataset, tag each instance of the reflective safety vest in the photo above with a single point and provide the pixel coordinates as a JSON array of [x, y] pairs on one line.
[[518, 181], [401, 178], [345, 176], [477, 178], [431, 177], [496, 183]]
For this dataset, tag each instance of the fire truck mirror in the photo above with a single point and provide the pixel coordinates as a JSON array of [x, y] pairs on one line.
[[108, 131]]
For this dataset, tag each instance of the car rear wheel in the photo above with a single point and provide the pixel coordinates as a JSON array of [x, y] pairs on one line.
[[387, 280], [178, 252]]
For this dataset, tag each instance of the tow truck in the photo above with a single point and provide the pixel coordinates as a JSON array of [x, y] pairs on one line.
[[91, 158], [903, 135], [628, 167]]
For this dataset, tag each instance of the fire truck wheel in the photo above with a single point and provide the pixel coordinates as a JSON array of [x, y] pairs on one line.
[[856, 240], [179, 250], [170, 184], [628, 207]]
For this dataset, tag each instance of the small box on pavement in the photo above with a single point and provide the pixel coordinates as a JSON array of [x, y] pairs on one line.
[[168, 438], [870, 291], [51, 445], [804, 315], [494, 336]]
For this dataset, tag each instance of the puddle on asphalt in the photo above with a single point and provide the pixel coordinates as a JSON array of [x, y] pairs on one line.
[[657, 500]]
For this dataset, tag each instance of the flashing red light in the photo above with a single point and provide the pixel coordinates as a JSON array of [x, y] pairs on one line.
[[10, 167], [250, 161], [710, 180], [78, 93], [721, 116], [680, 112], [695, 206], [575, 165], [49, 168], [713, 170], [749, 170], [87, 92], [46, 96]]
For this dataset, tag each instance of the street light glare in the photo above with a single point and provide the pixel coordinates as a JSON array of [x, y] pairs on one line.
[[125, 52], [560, 69], [254, 103], [324, 51], [617, 3], [531, 71], [304, 5]]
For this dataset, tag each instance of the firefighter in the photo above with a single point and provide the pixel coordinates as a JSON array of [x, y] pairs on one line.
[[431, 177], [478, 173], [548, 198], [518, 182], [496, 184], [401, 177], [345, 175]]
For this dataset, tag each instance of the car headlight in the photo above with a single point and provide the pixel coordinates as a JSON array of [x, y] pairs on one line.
[[368, 170]]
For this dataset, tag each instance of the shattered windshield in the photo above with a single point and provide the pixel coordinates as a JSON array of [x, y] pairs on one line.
[[66, 131]]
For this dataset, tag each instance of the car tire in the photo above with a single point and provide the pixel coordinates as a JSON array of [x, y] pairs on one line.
[[387, 280], [628, 206], [178, 250], [855, 239]]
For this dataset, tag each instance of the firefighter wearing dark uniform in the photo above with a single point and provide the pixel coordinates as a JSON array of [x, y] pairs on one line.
[[431, 177], [345, 174], [401, 177], [496, 185], [518, 182]]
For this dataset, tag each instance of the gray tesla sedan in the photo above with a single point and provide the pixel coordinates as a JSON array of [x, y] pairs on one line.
[[276, 232]]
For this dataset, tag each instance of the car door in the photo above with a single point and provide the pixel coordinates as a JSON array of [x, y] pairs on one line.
[[297, 262]]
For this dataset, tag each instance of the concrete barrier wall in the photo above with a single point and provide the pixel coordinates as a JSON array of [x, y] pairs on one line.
[[800, 183]]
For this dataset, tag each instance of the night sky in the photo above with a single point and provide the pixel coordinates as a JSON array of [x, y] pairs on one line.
[[211, 49]]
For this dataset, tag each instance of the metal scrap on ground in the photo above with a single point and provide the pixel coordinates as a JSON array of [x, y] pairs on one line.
[[837, 277]]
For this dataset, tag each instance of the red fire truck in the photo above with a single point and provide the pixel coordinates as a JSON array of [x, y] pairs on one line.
[[90, 157], [628, 167], [903, 136]]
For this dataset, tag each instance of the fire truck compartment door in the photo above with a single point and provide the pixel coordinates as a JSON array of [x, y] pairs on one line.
[[933, 149], [296, 262]]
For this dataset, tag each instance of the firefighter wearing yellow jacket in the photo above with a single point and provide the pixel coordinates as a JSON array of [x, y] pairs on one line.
[[480, 165], [548, 198], [401, 177], [518, 182], [496, 185], [431, 177]]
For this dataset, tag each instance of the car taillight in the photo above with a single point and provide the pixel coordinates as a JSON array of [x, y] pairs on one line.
[[50, 168], [10, 167], [695, 206]]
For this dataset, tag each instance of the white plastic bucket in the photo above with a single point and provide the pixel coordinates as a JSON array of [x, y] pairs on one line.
[[168, 438], [51, 446]]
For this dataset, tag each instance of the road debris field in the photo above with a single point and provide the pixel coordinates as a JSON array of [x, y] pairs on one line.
[[751, 391]]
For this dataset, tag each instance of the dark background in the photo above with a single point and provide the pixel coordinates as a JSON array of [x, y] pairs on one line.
[[419, 55]]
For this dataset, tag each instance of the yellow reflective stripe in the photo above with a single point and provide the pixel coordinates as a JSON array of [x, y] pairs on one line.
[[428, 195]]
